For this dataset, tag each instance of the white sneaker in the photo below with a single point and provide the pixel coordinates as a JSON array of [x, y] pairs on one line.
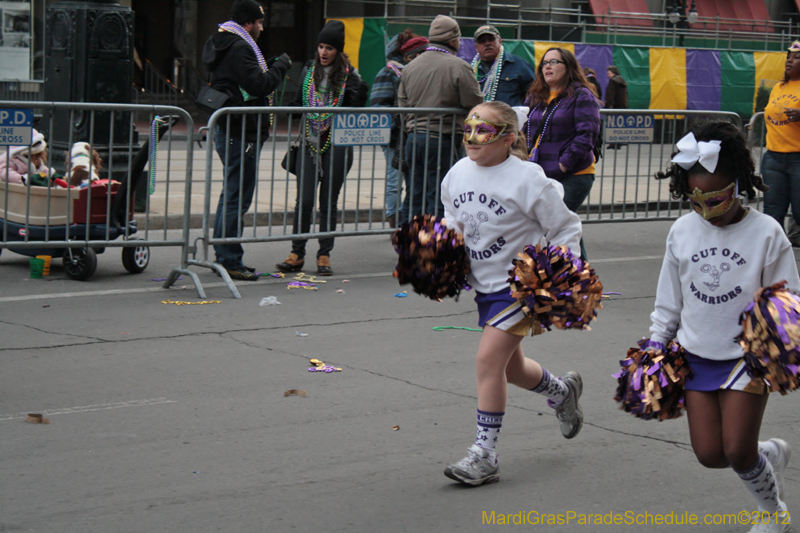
[[785, 454], [478, 467], [779, 522]]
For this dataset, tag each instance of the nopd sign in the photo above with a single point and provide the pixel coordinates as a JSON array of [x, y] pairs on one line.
[[629, 129], [16, 127], [352, 129]]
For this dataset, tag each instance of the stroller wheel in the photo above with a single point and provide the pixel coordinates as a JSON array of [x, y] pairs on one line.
[[80, 263], [136, 259]]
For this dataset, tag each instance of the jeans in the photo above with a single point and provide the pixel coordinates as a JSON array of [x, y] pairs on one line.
[[394, 187], [429, 158], [576, 190], [781, 172], [330, 184], [236, 195]]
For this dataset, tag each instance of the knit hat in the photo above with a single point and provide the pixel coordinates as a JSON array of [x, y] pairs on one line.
[[411, 45], [333, 34], [486, 30], [443, 29], [795, 47], [244, 11], [38, 145]]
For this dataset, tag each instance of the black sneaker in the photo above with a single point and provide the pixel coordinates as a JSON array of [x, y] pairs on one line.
[[241, 274], [249, 269]]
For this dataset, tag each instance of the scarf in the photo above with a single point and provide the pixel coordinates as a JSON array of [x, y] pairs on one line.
[[233, 27]]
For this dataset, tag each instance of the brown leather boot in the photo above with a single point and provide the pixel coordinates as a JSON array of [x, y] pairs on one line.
[[324, 266], [293, 263]]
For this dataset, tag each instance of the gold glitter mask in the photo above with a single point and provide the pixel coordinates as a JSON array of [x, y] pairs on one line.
[[713, 204], [479, 131]]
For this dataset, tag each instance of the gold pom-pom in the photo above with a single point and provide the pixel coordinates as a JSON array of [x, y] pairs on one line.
[[771, 337], [555, 287]]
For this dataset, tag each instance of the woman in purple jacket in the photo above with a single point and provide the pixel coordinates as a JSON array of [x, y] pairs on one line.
[[563, 124]]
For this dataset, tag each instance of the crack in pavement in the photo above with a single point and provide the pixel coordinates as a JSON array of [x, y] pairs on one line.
[[222, 333], [28, 326]]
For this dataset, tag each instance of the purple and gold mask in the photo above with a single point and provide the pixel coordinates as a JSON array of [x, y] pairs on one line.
[[479, 131], [713, 204]]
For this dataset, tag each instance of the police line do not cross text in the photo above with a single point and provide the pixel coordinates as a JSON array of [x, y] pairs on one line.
[[353, 129]]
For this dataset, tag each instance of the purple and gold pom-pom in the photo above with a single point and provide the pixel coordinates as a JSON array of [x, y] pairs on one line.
[[555, 287], [431, 257], [771, 337], [651, 381]]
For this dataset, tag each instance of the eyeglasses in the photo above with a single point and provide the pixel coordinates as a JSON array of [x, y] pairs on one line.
[[553, 62]]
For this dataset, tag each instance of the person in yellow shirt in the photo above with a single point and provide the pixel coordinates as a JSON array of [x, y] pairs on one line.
[[780, 165]]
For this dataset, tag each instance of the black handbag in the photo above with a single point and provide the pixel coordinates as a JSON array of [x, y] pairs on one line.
[[290, 159], [209, 99]]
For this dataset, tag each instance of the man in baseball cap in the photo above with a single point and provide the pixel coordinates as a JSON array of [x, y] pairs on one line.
[[501, 75]]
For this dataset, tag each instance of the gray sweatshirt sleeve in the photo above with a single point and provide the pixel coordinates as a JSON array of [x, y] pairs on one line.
[[669, 301]]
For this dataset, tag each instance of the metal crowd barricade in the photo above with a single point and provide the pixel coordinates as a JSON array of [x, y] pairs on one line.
[[78, 222], [625, 188], [272, 212]]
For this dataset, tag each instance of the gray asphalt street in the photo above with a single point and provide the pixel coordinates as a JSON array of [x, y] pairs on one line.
[[172, 418]]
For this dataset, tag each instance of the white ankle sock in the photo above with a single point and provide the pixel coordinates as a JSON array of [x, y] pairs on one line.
[[760, 482], [551, 388]]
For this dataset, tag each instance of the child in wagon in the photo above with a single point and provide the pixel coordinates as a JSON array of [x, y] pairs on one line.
[[28, 164]]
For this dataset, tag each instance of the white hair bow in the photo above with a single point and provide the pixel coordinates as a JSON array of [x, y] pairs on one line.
[[522, 115], [691, 152]]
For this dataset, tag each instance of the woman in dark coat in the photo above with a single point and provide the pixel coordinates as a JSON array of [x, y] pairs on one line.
[[616, 95], [617, 90], [329, 81]]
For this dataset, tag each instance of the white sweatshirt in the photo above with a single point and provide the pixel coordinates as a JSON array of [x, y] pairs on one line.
[[500, 210], [710, 274]]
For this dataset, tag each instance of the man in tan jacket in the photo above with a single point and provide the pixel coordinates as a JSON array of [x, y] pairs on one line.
[[437, 78]]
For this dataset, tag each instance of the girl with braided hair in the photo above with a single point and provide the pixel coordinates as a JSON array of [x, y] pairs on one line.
[[716, 258], [740, 167]]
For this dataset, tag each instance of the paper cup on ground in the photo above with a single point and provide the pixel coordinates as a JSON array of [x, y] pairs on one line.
[[36, 268], [46, 268]]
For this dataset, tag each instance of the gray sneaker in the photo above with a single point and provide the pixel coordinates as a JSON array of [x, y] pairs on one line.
[[569, 412], [478, 467]]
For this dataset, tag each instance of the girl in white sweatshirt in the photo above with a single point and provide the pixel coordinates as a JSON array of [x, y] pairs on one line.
[[501, 203], [716, 258]]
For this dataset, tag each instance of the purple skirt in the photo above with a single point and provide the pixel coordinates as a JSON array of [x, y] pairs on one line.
[[710, 375], [502, 311]]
